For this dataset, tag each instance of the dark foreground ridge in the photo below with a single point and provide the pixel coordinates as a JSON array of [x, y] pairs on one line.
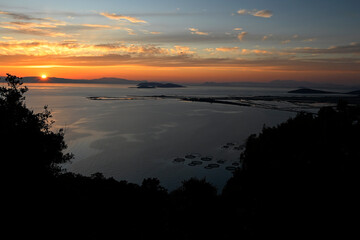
[[298, 180]]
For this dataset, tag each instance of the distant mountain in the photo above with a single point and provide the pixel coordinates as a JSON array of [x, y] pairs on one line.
[[158, 85], [116, 81], [310, 91], [303, 84], [67, 80], [277, 84]]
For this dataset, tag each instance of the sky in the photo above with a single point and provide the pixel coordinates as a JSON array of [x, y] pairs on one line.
[[182, 40]]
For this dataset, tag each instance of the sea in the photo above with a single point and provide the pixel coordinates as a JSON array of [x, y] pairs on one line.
[[131, 138]]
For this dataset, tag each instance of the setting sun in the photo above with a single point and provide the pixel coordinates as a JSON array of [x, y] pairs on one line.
[[43, 76]]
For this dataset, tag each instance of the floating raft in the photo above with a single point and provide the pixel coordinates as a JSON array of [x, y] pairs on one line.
[[212, 165], [230, 168], [206, 159], [179, 160], [195, 163], [190, 156]]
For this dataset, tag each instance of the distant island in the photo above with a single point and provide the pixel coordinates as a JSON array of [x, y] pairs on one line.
[[310, 91], [158, 85]]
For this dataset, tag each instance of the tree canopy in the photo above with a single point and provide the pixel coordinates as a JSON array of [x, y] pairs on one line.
[[29, 149], [299, 177]]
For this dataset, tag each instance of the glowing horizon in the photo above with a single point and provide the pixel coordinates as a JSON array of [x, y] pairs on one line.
[[189, 41]]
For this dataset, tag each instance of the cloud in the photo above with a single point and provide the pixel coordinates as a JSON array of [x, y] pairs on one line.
[[309, 40], [286, 41], [33, 29], [352, 48], [33, 25], [115, 16], [209, 50], [255, 51], [150, 32], [174, 57], [95, 26], [20, 16], [197, 32], [227, 49], [132, 49], [237, 29], [256, 13], [263, 14], [130, 31], [266, 37], [265, 64], [52, 28], [71, 48], [241, 35], [181, 50]]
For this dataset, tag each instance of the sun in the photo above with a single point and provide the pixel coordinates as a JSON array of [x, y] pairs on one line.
[[43, 76]]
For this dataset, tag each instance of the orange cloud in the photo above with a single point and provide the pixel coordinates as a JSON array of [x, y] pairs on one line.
[[95, 26], [197, 32], [21, 16], [262, 13], [255, 51], [73, 48], [241, 35], [227, 49], [182, 50], [48, 29], [115, 16]]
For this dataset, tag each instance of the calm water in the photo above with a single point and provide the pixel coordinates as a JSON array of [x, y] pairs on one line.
[[136, 139]]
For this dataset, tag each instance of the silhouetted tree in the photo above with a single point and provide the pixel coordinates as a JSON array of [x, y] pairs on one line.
[[29, 149], [298, 177]]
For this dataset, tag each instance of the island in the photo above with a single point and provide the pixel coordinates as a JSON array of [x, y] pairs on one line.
[[158, 85], [310, 91]]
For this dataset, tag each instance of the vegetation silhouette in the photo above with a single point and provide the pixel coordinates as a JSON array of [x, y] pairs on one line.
[[41, 152], [297, 179]]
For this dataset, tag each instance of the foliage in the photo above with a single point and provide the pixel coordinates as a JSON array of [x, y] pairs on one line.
[[28, 146], [299, 177]]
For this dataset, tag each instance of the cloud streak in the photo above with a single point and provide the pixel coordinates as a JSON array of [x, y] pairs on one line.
[[21, 16], [197, 32], [39, 29], [73, 48], [114, 16], [353, 48], [256, 13], [227, 49]]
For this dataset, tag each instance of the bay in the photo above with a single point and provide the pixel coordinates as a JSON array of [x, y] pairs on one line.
[[136, 139]]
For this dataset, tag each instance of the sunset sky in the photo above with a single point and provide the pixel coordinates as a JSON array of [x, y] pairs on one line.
[[182, 41]]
